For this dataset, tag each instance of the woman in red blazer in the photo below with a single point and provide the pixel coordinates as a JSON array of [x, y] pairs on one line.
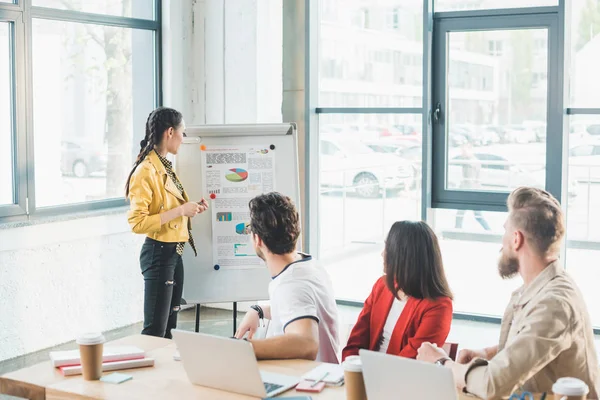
[[412, 302]]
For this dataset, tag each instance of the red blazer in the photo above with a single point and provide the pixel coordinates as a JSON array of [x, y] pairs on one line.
[[421, 321]]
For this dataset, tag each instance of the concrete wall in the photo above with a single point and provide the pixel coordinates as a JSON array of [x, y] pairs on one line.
[[221, 64], [62, 278]]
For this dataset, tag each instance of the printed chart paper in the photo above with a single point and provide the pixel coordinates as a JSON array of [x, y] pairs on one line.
[[233, 176]]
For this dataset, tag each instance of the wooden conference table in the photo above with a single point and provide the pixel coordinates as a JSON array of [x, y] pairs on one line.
[[166, 380]]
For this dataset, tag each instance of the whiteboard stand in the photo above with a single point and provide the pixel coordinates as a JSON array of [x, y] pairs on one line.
[[197, 328]]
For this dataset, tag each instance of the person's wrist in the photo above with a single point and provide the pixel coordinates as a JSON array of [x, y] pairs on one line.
[[443, 360], [485, 354], [258, 310]]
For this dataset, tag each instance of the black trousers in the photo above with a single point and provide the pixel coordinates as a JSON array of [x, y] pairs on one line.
[[162, 269]]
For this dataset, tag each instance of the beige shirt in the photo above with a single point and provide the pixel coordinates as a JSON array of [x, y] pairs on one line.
[[546, 334]]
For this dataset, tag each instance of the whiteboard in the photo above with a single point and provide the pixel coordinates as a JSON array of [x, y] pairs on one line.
[[203, 282]]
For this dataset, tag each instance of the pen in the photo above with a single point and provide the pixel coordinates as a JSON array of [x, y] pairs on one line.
[[319, 380]]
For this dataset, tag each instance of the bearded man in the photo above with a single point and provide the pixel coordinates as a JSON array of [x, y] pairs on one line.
[[546, 332]]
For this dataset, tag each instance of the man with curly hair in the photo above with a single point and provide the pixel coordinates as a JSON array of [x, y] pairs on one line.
[[302, 309]]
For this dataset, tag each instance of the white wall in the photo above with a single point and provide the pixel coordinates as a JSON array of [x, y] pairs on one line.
[[62, 278]]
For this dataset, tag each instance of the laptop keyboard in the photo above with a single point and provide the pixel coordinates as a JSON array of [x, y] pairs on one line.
[[271, 387]]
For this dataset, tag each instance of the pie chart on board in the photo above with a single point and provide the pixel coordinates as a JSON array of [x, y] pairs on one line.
[[237, 175]]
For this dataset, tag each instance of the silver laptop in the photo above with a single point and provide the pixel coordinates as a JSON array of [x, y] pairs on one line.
[[392, 377], [227, 364]]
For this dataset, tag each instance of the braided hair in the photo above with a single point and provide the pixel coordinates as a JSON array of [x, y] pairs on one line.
[[157, 123]]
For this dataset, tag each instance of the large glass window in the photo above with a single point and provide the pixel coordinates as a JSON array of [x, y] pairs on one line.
[[123, 8], [92, 91], [370, 58], [496, 118], [370, 177], [471, 260], [585, 57], [462, 5], [371, 53], [583, 232], [6, 131]]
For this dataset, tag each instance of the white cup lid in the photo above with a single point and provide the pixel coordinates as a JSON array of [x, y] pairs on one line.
[[352, 364], [570, 387], [91, 338]]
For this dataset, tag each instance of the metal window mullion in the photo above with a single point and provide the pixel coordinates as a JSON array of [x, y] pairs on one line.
[[555, 113], [17, 148], [583, 111], [158, 90], [426, 127], [498, 12], [10, 7], [559, 146], [28, 105], [19, 50], [312, 158], [368, 110], [91, 18]]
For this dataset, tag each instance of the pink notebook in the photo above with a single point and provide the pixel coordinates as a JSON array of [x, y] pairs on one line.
[[111, 366], [110, 353]]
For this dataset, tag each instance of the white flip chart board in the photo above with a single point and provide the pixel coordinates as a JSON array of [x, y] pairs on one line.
[[233, 163]]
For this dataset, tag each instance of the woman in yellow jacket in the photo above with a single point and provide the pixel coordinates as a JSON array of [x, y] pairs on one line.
[[161, 210]]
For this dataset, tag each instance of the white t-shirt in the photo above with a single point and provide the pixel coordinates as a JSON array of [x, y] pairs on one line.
[[390, 324], [304, 290]]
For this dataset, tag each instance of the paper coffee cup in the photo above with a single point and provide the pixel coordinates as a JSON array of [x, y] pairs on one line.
[[353, 379], [570, 389], [91, 347]]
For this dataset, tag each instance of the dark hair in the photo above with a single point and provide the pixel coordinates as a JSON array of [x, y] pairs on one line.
[[157, 123], [413, 261], [274, 219], [539, 215]]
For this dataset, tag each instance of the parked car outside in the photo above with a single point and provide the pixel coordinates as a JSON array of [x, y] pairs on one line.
[[348, 163], [498, 173], [82, 159]]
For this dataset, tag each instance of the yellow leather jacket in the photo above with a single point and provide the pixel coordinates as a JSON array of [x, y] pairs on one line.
[[152, 192]]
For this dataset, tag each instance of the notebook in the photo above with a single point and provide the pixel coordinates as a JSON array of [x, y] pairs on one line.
[[335, 374], [110, 366], [110, 353]]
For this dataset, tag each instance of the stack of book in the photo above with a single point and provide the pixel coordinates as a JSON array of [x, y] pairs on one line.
[[331, 374], [114, 358]]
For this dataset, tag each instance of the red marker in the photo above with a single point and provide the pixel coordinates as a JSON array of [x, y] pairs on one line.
[[213, 196]]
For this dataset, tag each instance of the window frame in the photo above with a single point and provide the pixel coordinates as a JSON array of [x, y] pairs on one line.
[[10, 14], [463, 21], [21, 15]]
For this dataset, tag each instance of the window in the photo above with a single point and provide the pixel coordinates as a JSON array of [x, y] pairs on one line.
[[121, 8], [92, 85], [89, 69], [370, 177], [583, 232], [495, 135], [460, 233], [6, 125], [495, 47], [374, 56], [463, 5], [585, 54], [392, 19]]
